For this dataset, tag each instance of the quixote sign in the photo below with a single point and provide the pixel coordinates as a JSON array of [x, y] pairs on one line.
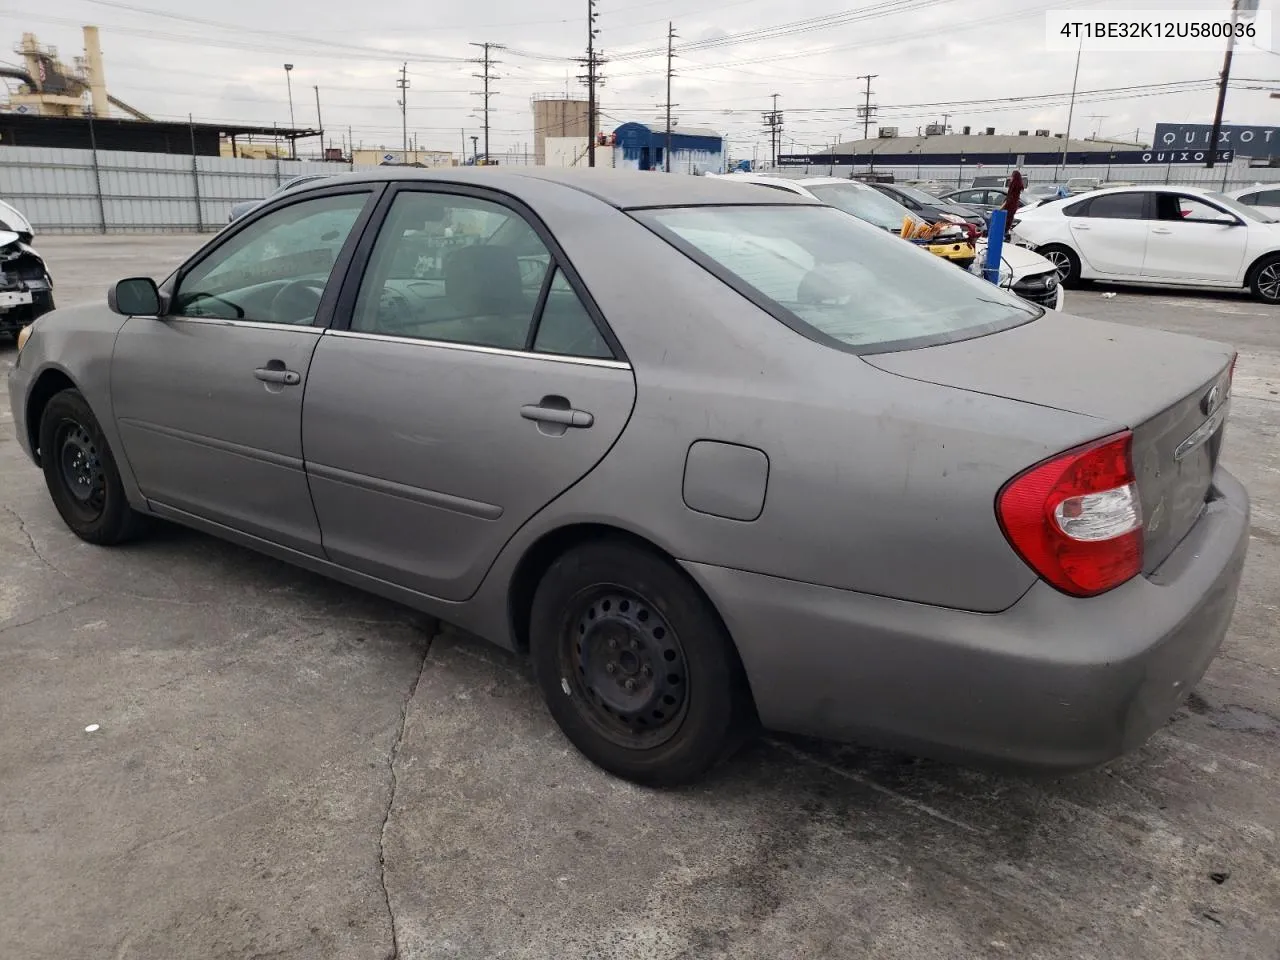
[[1244, 140]]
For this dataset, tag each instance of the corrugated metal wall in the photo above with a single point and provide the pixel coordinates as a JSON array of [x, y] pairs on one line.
[[65, 191]]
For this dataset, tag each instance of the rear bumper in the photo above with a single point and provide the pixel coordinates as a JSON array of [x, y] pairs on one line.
[[1054, 682]]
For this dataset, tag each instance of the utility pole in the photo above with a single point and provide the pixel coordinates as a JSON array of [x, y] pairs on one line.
[[671, 39], [487, 93], [319, 121], [773, 123], [1226, 75], [867, 111], [402, 84], [288, 79], [1066, 137], [475, 149], [593, 61]]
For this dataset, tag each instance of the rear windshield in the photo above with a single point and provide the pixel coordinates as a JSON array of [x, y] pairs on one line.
[[838, 280], [865, 203]]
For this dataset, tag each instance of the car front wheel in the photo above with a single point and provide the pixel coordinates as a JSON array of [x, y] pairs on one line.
[[1265, 285], [1065, 262], [80, 472], [635, 665]]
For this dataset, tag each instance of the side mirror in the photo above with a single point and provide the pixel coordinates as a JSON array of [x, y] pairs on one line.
[[137, 296]]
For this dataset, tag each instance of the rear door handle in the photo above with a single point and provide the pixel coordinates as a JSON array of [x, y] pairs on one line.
[[1079, 226], [290, 378], [1161, 230], [566, 417]]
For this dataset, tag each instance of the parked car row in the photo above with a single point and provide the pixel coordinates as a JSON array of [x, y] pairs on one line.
[[1158, 234], [1023, 272]]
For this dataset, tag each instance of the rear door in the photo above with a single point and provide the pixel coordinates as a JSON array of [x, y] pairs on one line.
[[1111, 230], [475, 382], [208, 398], [1192, 239]]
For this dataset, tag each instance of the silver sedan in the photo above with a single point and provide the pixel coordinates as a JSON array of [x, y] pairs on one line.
[[714, 456]]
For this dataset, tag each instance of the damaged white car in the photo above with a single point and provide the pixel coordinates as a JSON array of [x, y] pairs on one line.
[[26, 289]]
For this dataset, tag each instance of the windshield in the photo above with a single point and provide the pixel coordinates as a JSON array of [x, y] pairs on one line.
[[1236, 207], [838, 280], [864, 203]]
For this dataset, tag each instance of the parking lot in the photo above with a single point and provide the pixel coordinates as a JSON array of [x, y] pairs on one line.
[[288, 768]]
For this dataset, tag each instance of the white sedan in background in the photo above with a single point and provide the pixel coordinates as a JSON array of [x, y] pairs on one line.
[[1265, 197], [1156, 234], [1022, 271]]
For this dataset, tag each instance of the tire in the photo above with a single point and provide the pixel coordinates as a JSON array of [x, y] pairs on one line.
[[80, 472], [607, 614], [1264, 284], [1065, 259]]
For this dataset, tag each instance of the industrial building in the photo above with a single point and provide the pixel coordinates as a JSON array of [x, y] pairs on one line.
[[57, 105], [936, 147], [641, 146], [561, 118]]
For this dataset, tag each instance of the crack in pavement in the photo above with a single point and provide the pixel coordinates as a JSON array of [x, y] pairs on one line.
[[22, 528], [395, 782]]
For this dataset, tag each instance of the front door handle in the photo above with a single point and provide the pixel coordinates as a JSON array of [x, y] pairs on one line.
[[1079, 226], [565, 416], [1161, 230], [289, 378]]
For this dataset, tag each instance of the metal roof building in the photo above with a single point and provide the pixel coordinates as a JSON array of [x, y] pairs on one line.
[[640, 146]]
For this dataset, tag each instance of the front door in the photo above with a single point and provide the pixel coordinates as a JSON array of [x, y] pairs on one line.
[[473, 387], [1111, 233], [1191, 239], [208, 399]]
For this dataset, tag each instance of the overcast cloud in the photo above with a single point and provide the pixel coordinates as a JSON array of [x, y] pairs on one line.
[[229, 68]]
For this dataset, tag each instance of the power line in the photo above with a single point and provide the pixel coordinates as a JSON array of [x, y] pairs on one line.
[[867, 109], [403, 85], [487, 93], [671, 39]]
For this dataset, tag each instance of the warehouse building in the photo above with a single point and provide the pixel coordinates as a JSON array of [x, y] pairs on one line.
[[640, 146], [934, 147]]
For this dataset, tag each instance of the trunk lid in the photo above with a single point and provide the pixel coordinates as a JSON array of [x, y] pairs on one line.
[[1170, 390]]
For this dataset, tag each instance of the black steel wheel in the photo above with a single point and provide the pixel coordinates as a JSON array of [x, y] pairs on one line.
[[635, 664], [81, 473], [628, 665]]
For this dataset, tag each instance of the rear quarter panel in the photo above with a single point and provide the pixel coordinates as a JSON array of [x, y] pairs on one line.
[[876, 483]]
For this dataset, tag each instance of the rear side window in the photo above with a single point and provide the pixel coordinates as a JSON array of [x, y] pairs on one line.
[[837, 280], [1267, 198], [1118, 206]]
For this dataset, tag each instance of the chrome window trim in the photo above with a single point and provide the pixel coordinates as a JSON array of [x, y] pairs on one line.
[[477, 348]]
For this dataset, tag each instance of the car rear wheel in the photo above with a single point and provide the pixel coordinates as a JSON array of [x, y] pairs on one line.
[[635, 665], [1065, 262], [1265, 284], [81, 473]]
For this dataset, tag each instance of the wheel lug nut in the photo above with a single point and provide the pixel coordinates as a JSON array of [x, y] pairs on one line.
[[630, 685], [613, 643], [610, 668], [635, 644]]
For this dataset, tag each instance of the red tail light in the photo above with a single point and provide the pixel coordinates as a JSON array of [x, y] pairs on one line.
[[1076, 518]]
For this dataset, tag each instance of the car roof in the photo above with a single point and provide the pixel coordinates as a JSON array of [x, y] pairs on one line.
[[624, 189]]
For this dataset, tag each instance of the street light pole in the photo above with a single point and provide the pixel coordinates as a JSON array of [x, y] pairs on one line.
[[293, 141]]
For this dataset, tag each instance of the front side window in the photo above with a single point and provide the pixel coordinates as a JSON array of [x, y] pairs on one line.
[[1118, 206], [462, 269], [838, 280], [275, 269]]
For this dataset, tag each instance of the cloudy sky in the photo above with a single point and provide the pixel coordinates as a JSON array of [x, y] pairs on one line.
[[224, 61]]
